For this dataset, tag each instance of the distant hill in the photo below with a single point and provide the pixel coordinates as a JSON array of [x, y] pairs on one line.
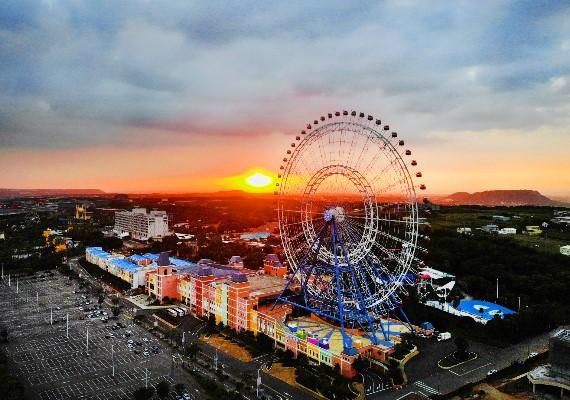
[[4, 193], [499, 198]]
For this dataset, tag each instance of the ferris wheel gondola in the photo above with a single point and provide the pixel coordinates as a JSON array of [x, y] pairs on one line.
[[349, 221]]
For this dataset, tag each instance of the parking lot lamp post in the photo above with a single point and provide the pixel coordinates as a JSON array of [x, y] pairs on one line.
[[113, 359], [258, 381]]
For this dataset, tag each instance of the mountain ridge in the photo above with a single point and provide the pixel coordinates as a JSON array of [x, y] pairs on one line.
[[520, 197]]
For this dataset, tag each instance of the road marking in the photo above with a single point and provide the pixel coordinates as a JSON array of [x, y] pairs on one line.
[[468, 372], [427, 388]]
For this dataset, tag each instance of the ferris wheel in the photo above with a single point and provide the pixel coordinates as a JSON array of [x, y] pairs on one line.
[[348, 219]]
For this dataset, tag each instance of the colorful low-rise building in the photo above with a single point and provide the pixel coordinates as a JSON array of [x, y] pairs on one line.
[[272, 266], [244, 300]]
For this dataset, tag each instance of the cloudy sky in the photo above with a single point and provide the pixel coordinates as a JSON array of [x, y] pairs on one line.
[[180, 95]]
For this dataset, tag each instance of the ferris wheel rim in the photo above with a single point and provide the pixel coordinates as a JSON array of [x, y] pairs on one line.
[[408, 246]]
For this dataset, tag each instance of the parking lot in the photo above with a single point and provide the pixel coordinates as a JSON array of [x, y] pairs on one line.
[[62, 352]]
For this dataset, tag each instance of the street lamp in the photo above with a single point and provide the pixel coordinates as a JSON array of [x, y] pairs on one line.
[[258, 381]]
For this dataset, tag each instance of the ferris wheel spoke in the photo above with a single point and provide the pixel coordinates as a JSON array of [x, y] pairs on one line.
[[348, 171]]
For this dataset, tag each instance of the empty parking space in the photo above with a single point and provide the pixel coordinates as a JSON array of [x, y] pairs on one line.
[[64, 352]]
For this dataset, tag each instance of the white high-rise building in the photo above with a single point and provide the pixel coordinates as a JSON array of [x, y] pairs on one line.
[[141, 225]]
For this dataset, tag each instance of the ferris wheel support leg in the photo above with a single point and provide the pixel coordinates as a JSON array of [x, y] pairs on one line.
[[407, 320], [363, 310], [386, 336], [319, 237], [346, 339]]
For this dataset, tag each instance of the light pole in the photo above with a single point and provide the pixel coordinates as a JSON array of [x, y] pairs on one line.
[[146, 377], [545, 226], [258, 381], [87, 339], [9, 283], [216, 360], [51, 315], [38, 300], [67, 325], [497, 288], [113, 360], [17, 286]]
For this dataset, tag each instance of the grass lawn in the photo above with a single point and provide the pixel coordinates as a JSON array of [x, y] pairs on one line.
[[451, 361]]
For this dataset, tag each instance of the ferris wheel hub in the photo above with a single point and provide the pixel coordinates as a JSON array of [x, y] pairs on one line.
[[336, 213]]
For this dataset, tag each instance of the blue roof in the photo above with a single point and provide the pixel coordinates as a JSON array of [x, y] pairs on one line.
[[125, 264], [178, 262], [98, 252], [484, 309], [150, 256], [138, 257]]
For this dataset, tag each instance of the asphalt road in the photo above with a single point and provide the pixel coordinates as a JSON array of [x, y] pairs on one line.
[[426, 378]]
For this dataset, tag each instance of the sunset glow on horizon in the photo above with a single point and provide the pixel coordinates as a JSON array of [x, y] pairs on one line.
[[259, 180], [141, 99]]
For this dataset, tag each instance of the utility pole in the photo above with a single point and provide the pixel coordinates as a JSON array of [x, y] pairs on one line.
[[545, 226], [258, 381], [113, 360]]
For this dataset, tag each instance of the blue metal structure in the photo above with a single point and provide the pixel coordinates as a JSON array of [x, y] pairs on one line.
[[340, 298], [348, 220]]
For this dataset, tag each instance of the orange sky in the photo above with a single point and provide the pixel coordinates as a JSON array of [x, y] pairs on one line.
[[147, 97], [458, 161]]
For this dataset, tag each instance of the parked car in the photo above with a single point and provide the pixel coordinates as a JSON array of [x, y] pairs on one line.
[[492, 372], [532, 354]]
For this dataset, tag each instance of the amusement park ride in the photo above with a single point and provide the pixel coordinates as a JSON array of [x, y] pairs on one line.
[[349, 223]]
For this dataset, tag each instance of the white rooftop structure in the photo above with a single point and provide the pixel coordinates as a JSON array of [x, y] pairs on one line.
[[141, 225]]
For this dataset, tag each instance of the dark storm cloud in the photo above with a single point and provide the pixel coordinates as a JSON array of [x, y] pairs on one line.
[[81, 73]]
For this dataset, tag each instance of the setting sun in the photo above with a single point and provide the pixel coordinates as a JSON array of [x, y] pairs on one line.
[[258, 180]]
